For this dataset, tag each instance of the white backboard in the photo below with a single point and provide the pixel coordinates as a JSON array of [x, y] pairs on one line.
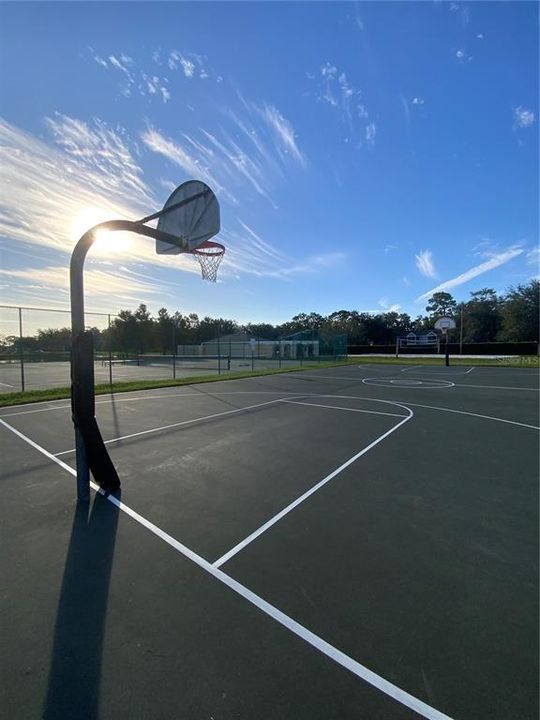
[[196, 221], [445, 324]]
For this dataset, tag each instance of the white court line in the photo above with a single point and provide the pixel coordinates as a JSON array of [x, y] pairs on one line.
[[334, 407], [6, 384], [469, 370], [183, 422], [349, 378], [164, 396], [484, 417], [38, 447], [347, 662], [412, 367], [496, 387], [268, 524]]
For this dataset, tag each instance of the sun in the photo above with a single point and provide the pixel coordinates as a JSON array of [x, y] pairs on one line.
[[105, 243]]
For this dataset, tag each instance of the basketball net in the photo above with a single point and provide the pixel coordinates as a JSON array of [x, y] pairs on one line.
[[209, 256]]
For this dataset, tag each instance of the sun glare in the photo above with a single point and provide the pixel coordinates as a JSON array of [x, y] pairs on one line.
[[106, 242]]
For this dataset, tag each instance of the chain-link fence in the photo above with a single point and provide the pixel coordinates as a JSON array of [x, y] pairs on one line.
[[35, 346], [35, 352]]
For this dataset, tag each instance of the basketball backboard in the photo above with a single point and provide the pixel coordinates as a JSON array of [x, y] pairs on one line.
[[445, 324], [190, 213]]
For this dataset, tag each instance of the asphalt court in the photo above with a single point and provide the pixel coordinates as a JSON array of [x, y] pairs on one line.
[[294, 546]]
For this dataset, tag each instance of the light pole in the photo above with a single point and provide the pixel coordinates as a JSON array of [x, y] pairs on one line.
[[461, 331]]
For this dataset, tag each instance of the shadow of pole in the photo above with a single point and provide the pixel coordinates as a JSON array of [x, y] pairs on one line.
[[115, 417], [75, 670]]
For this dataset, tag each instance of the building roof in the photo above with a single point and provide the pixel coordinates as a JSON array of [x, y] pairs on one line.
[[234, 337]]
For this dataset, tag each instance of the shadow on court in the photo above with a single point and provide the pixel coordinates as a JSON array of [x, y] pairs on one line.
[[75, 667]]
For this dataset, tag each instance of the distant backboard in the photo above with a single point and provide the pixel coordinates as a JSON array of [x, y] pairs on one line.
[[445, 324], [195, 221]]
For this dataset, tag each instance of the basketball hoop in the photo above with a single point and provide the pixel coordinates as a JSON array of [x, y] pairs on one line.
[[209, 256]]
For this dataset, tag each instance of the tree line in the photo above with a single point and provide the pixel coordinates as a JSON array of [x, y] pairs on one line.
[[487, 317]]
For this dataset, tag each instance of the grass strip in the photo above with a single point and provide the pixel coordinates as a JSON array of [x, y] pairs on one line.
[[62, 393]]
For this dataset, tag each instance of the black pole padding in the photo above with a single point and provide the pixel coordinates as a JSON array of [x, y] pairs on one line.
[[83, 412]]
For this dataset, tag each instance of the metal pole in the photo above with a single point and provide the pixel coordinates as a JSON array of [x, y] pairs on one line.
[[110, 353], [446, 353], [461, 333], [77, 328], [174, 351], [219, 348], [21, 349]]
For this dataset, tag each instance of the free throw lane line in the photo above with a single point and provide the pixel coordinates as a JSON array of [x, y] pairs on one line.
[[268, 524], [183, 422], [335, 407], [353, 666]]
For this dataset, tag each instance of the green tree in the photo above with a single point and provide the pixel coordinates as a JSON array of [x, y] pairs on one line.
[[165, 332], [520, 313], [144, 328], [262, 330], [54, 339], [441, 304], [123, 332], [481, 316]]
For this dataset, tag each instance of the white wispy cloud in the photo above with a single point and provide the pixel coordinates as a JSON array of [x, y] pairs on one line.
[[388, 248], [191, 64], [385, 304], [533, 256], [406, 280], [405, 105], [195, 166], [248, 253], [253, 148], [335, 89], [424, 263], [284, 132], [188, 67], [46, 190], [358, 18], [51, 195], [417, 101], [523, 117], [239, 161], [371, 131], [491, 264], [97, 58], [133, 79], [102, 155], [461, 10], [98, 283]]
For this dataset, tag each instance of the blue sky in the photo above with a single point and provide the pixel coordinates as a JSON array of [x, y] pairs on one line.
[[364, 154]]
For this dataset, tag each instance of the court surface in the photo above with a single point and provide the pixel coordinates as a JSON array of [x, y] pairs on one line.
[[359, 542]]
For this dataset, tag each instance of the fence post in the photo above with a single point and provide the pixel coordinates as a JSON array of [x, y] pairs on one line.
[[21, 348], [110, 352]]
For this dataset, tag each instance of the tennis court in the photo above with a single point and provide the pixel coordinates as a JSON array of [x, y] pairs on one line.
[[355, 542]]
